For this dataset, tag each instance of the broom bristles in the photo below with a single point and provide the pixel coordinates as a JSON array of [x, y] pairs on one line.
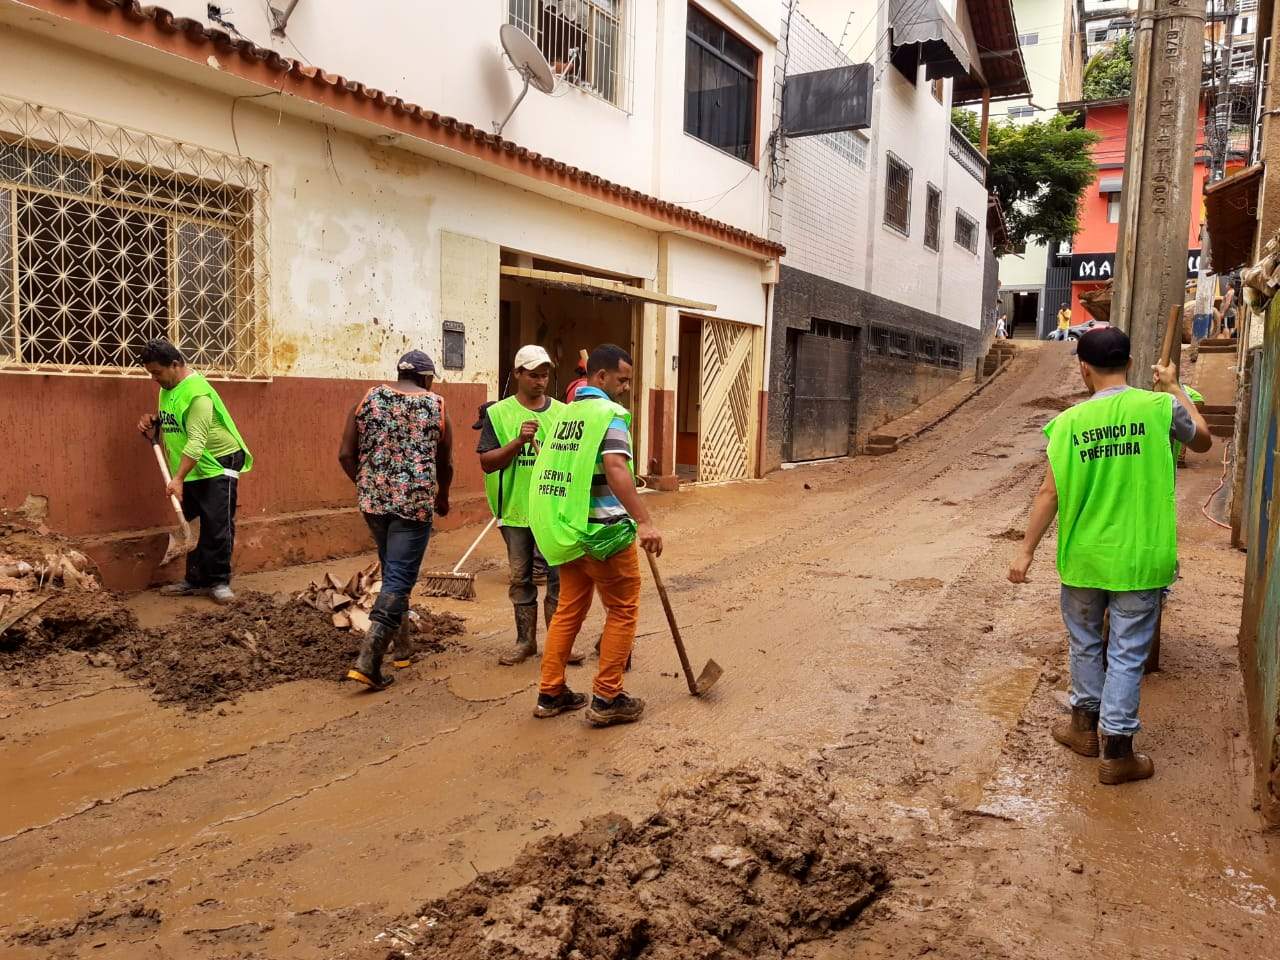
[[460, 586]]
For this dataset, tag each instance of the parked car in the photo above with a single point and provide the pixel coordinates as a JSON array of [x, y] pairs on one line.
[[1078, 330]]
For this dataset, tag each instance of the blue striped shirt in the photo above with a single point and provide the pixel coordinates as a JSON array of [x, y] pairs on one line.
[[605, 507]]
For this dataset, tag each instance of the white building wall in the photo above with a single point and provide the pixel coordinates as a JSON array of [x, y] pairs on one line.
[[447, 58], [824, 208]]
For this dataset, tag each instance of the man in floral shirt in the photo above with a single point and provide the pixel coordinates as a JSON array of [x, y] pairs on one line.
[[398, 450]]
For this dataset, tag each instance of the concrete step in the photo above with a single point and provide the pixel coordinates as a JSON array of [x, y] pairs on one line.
[[1219, 408], [879, 444], [1217, 346], [1222, 429]]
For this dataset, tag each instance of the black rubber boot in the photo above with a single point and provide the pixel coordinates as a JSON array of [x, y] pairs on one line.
[[1080, 733], [368, 668], [526, 636], [402, 648], [1120, 764]]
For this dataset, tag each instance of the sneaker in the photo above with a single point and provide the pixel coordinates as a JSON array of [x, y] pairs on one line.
[[223, 594], [180, 589], [621, 709], [550, 705]]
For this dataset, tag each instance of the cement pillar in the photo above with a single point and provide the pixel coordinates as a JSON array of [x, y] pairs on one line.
[[1155, 208]]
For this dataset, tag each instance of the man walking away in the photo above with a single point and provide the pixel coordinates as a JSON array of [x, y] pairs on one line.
[[1110, 483], [511, 432], [398, 450], [206, 457], [586, 516]]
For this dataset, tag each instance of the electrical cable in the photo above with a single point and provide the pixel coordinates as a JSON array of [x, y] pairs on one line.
[[1226, 450]]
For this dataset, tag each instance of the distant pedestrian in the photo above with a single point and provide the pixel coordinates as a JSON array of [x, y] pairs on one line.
[[587, 516], [511, 432], [1110, 484], [1001, 332], [206, 458], [1064, 321], [398, 450]]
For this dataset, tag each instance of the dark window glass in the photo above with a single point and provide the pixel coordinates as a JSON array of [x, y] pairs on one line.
[[719, 87], [932, 217], [897, 198]]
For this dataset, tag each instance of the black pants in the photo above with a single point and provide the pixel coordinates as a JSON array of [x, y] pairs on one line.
[[213, 502]]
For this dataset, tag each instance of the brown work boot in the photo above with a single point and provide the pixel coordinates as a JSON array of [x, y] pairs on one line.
[[621, 709], [1120, 764], [1080, 733], [526, 636]]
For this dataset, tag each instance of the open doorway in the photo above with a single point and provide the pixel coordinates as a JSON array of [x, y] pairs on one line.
[[688, 399], [1024, 318]]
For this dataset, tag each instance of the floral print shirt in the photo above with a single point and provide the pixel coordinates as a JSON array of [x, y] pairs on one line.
[[399, 434]]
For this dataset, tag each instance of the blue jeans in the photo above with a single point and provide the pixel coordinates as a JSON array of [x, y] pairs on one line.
[[401, 546], [1110, 682]]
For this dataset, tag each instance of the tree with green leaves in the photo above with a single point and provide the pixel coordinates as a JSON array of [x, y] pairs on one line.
[[1038, 171], [1109, 73]]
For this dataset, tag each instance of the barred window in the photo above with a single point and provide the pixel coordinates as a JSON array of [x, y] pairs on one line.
[[587, 41], [897, 196], [110, 238], [932, 217], [951, 355], [879, 340], [966, 231], [927, 349], [899, 344]]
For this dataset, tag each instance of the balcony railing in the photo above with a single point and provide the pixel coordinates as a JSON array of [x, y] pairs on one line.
[[968, 156]]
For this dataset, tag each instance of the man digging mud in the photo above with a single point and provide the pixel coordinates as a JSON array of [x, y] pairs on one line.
[[397, 449], [511, 431], [586, 516], [206, 457], [1110, 482]]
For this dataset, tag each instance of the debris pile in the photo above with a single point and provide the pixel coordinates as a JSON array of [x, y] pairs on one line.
[[204, 659], [748, 862], [349, 601]]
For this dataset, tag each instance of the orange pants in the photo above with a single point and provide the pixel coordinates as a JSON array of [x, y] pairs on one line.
[[618, 580]]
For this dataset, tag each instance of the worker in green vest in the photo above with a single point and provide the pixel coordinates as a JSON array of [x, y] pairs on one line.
[[1110, 484], [206, 457], [587, 516], [511, 432], [1179, 448]]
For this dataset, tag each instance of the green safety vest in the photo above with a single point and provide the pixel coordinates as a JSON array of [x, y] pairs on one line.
[[1113, 467], [560, 492], [1194, 396], [508, 488], [173, 427]]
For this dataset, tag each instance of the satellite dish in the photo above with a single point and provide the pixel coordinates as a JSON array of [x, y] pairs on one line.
[[529, 63]]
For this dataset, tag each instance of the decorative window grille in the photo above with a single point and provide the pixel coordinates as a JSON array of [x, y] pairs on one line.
[[966, 231], [932, 217], [110, 237], [897, 197], [589, 42]]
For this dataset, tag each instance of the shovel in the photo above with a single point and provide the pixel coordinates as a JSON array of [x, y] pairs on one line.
[[711, 672], [176, 546]]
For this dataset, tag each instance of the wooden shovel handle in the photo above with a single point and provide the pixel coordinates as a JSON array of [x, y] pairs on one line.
[[173, 501], [1174, 326], [671, 621]]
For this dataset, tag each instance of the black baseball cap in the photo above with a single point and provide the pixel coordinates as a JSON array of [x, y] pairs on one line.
[[417, 362], [1107, 348]]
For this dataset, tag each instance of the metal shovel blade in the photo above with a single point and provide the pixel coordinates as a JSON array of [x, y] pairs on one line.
[[179, 545], [707, 678]]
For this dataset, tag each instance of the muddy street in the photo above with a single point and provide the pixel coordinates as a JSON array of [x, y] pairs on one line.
[[872, 647]]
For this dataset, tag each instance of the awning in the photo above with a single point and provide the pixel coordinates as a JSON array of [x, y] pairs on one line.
[[1231, 214], [922, 32], [600, 286], [1110, 184], [998, 71]]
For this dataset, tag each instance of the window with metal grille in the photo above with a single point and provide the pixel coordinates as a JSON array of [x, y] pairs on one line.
[[932, 217], [880, 340], [832, 330], [103, 249], [1020, 111], [897, 195], [588, 42], [899, 343], [720, 87], [927, 349], [950, 355], [966, 231]]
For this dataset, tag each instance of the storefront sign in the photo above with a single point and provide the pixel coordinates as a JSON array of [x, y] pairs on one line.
[[1100, 267]]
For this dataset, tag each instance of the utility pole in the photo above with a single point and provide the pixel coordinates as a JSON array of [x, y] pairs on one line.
[[1219, 118], [1155, 205]]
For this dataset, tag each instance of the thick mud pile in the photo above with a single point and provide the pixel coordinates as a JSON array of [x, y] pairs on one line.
[[207, 658], [747, 863]]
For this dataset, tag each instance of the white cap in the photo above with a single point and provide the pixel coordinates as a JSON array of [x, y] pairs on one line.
[[532, 357]]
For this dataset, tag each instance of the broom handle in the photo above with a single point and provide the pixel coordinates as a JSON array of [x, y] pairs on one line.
[[475, 543]]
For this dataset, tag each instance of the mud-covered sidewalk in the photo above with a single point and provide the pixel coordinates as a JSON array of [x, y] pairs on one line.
[[875, 657]]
